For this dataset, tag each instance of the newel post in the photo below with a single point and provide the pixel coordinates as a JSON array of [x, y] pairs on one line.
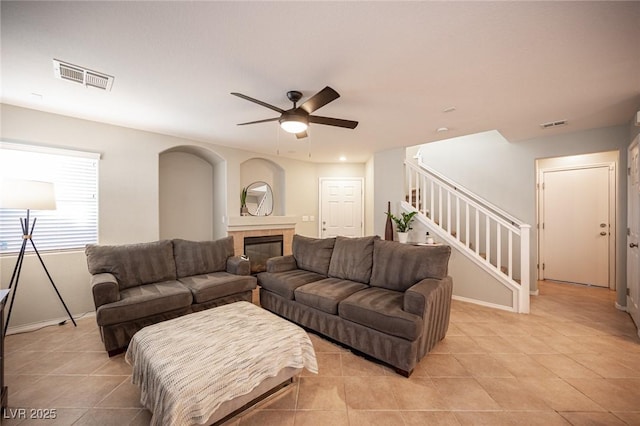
[[525, 273]]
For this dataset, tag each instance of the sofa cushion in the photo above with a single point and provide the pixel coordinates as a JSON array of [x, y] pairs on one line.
[[143, 301], [313, 254], [215, 285], [398, 266], [201, 257], [381, 309], [133, 264], [325, 295], [352, 258], [284, 283]]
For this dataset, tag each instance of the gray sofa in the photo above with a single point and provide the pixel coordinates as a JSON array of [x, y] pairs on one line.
[[388, 300], [136, 285]]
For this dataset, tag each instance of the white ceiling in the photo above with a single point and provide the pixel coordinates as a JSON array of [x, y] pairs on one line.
[[503, 65]]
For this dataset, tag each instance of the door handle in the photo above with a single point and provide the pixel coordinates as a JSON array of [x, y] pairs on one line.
[[324, 229], [632, 245], [603, 233]]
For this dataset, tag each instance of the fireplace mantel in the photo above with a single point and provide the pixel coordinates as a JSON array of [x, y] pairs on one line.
[[245, 223], [255, 226]]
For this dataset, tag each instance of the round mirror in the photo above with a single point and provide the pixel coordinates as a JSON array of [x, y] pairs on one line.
[[259, 199]]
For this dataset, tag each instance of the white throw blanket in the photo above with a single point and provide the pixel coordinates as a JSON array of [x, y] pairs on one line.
[[188, 366]]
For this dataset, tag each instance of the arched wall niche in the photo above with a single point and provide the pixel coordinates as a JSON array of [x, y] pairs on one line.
[[260, 169], [192, 193]]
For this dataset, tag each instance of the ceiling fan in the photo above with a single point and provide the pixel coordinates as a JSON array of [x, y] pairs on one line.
[[297, 119]]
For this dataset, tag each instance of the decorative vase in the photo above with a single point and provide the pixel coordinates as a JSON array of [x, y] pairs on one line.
[[388, 230], [403, 237], [244, 211]]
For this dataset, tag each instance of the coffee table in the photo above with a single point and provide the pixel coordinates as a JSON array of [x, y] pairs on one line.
[[200, 368]]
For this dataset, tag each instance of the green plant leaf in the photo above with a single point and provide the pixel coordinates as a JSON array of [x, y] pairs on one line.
[[403, 223]]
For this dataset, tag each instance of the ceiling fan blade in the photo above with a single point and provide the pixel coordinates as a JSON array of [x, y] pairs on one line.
[[320, 99], [264, 104], [302, 135], [333, 121], [266, 120]]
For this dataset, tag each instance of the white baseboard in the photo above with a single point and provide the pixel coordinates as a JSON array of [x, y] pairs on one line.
[[535, 292], [620, 307], [25, 328]]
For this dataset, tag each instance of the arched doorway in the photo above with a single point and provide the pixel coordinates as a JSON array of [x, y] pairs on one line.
[[192, 193]]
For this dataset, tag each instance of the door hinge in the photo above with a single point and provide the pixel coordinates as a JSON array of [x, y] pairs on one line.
[[543, 266], [628, 171], [628, 292], [628, 231]]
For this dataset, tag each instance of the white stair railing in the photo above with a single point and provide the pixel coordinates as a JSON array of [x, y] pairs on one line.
[[492, 238]]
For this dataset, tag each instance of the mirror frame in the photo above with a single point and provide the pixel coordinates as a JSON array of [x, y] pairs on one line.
[[268, 209]]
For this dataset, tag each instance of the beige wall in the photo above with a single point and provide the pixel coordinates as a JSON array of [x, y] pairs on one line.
[[369, 191], [388, 175], [129, 191]]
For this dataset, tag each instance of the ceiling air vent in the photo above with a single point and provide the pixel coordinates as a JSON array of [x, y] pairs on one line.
[[551, 124], [65, 71]]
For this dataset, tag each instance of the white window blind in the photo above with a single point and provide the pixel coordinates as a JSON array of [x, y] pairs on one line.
[[74, 174]]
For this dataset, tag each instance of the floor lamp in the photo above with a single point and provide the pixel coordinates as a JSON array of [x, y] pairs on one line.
[[29, 195]]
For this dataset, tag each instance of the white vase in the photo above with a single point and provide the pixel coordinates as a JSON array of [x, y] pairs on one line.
[[403, 237]]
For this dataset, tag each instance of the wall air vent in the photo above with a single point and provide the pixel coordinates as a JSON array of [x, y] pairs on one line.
[[88, 78], [551, 124]]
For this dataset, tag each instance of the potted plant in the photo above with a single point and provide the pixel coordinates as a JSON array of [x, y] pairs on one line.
[[244, 211], [403, 224]]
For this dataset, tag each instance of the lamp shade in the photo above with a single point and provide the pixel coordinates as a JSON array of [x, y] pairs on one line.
[[27, 194], [293, 126], [294, 122]]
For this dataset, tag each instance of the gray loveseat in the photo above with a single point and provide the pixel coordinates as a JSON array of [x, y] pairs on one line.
[[136, 285], [388, 300]]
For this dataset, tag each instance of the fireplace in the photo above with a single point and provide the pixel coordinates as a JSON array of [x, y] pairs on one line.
[[259, 249]]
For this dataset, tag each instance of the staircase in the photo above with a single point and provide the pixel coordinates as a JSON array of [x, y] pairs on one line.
[[491, 238]]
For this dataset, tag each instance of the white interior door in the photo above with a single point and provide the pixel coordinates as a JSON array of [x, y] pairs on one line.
[[341, 211], [633, 235], [576, 225]]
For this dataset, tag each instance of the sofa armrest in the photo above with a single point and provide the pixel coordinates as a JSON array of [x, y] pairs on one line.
[[428, 294], [431, 300], [105, 289], [238, 265], [281, 263]]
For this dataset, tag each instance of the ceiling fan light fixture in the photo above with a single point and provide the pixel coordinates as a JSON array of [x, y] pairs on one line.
[[296, 120], [294, 123]]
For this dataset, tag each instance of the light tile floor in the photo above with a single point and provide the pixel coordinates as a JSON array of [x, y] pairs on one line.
[[574, 360]]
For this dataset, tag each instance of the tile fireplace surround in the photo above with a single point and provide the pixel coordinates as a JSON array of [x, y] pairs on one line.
[[259, 226]]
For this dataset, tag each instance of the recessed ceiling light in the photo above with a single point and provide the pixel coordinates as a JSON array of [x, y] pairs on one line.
[[449, 109], [442, 129], [343, 158]]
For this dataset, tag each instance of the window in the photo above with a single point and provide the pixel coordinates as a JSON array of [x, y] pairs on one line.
[[74, 174]]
